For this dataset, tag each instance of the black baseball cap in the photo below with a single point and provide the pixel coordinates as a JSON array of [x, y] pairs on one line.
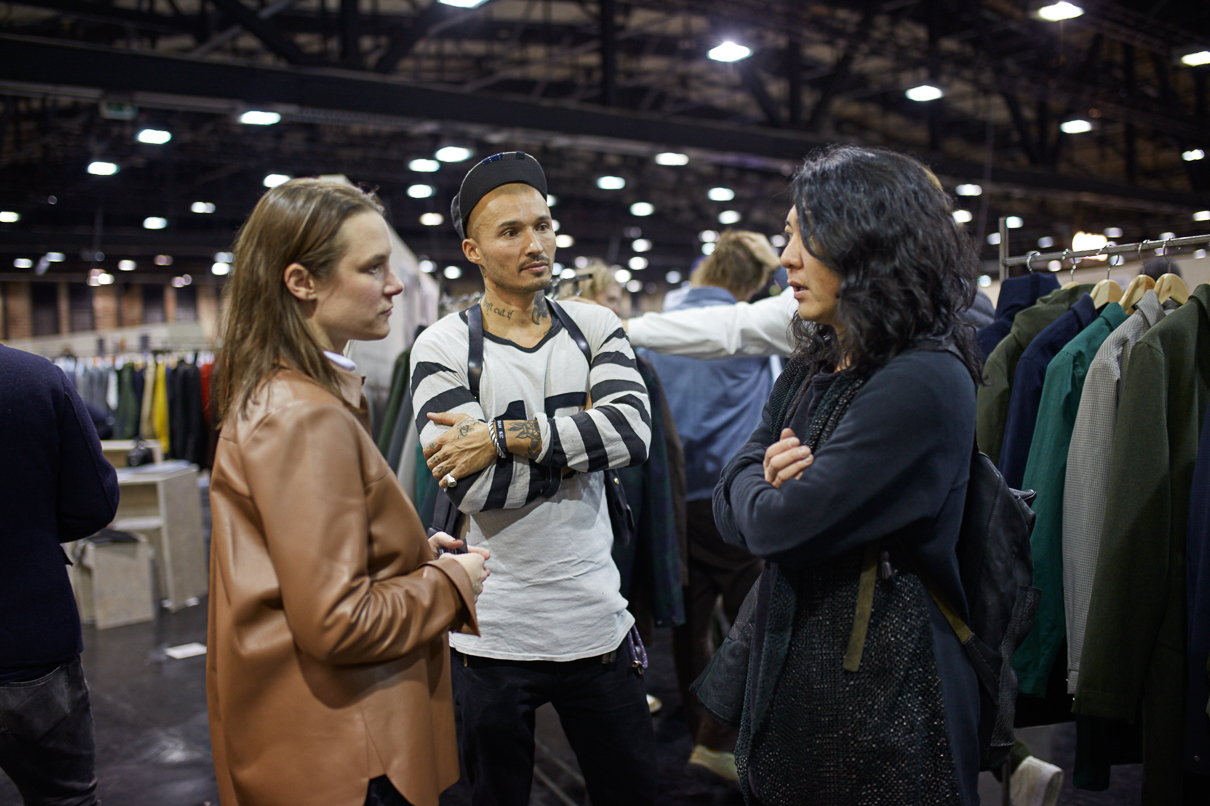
[[498, 169]]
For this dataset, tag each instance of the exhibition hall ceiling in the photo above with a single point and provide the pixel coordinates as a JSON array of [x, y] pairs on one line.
[[1095, 122]]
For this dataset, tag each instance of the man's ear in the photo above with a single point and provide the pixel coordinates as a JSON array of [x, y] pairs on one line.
[[470, 248], [299, 281]]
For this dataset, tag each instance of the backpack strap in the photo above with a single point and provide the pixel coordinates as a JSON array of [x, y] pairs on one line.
[[572, 329], [474, 356]]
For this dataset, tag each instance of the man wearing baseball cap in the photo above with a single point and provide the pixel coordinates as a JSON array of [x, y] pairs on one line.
[[520, 406]]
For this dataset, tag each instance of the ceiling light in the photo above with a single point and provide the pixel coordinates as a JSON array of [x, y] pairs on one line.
[[567, 274], [671, 158], [611, 182], [638, 263], [256, 118], [554, 224], [720, 194], [155, 137], [581, 262], [642, 208], [224, 257], [1167, 236], [551, 200], [1075, 126], [969, 190], [925, 92], [452, 272], [708, 248], [220, 269], [9, 217], [1013, 222], [182, 281], [622, 275], [462, 3], [1084, 241], [424, 166], [1054, 265], [1060, 11], [778, 240], [421, 191], [673, 277], [1202, 215], [1113, 232], [126, 265], [154, 222], [993, 238], [453, 154], [1198, 254], [729, 217], [100, 168], [1193, 155], [273, 180], [564, 241], [1045, 242], [707, 236], [729, 52], [428, 266], [1196, 59], [432, 219], [634, 286], [23, 263], [640, 245], [985, 280], [105, 278], [55, 257], [201, 207], [963, 216]]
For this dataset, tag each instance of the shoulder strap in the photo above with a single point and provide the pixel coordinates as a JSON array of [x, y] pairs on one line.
[[474, 356], [572, 329]]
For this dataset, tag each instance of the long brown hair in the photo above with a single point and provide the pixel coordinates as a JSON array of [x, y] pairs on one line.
[[263, 323]]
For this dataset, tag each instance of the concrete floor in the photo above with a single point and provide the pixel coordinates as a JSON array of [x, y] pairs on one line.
[[153, 746]]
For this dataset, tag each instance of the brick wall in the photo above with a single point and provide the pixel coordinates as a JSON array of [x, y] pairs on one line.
[[18, 310], [105, 307]]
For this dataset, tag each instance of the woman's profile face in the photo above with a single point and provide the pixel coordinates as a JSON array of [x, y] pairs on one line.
[[815, 286], [354, 303]]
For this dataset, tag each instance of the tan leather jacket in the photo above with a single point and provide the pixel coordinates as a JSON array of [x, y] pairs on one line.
[[328, 663]]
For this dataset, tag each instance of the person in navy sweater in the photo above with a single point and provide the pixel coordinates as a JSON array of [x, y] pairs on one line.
[[55, 486]]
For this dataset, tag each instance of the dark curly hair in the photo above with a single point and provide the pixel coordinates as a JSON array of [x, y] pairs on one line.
[[882, 222]]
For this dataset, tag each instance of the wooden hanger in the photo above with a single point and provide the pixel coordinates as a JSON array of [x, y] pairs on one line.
[[1107, 290], [1134, 292], [1170, 286]]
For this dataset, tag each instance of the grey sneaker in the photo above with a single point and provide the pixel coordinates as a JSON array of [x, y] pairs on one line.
[[1035, 783]]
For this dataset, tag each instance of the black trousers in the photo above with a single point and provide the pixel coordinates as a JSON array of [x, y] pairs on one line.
[[602, 708], [381, 792]]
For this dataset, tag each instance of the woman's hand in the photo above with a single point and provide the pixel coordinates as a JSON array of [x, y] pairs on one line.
[[473, 562], [464, 449], [786, 459]]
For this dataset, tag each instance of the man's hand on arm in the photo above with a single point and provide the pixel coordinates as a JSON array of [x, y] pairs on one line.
[[467, 446]]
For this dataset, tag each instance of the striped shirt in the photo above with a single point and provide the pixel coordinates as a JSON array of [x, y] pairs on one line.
[[553, 591]]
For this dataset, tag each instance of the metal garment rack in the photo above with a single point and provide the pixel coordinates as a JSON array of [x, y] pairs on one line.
[[1068, 254]]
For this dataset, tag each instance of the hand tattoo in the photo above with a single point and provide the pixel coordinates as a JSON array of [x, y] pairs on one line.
[[465, 427], [528, 431]]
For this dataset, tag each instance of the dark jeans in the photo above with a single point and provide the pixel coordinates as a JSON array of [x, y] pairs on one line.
[[602, 708], [716, 568], [46, 738]]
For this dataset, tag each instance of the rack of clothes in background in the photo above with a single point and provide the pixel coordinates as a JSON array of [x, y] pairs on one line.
[[161, 393], [1095, 397], [653, 566]]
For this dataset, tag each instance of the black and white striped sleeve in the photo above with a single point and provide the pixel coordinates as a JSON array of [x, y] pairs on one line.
[[616, 431], [439, 384]]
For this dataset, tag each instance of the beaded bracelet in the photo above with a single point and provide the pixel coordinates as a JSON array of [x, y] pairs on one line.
[[498, 438]]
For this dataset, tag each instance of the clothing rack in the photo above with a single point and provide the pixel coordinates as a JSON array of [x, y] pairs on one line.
[[1075, 256]]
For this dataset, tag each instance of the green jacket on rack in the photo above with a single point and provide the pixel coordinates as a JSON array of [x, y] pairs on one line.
[[1135, 645]]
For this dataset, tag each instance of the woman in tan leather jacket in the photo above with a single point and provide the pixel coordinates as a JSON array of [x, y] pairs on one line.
[[327, 674]]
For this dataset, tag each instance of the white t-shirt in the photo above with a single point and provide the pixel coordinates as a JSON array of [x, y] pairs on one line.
[[553, 590]]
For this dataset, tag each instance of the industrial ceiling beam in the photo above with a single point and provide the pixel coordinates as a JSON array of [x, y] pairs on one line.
[[47, 64]]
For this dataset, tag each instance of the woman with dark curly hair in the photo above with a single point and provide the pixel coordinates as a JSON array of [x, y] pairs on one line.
[[852, 488]]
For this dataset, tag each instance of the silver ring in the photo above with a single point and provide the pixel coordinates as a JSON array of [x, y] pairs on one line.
[[450, 481]]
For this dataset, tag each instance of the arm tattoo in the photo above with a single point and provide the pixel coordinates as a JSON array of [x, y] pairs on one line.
[[528, 431]]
